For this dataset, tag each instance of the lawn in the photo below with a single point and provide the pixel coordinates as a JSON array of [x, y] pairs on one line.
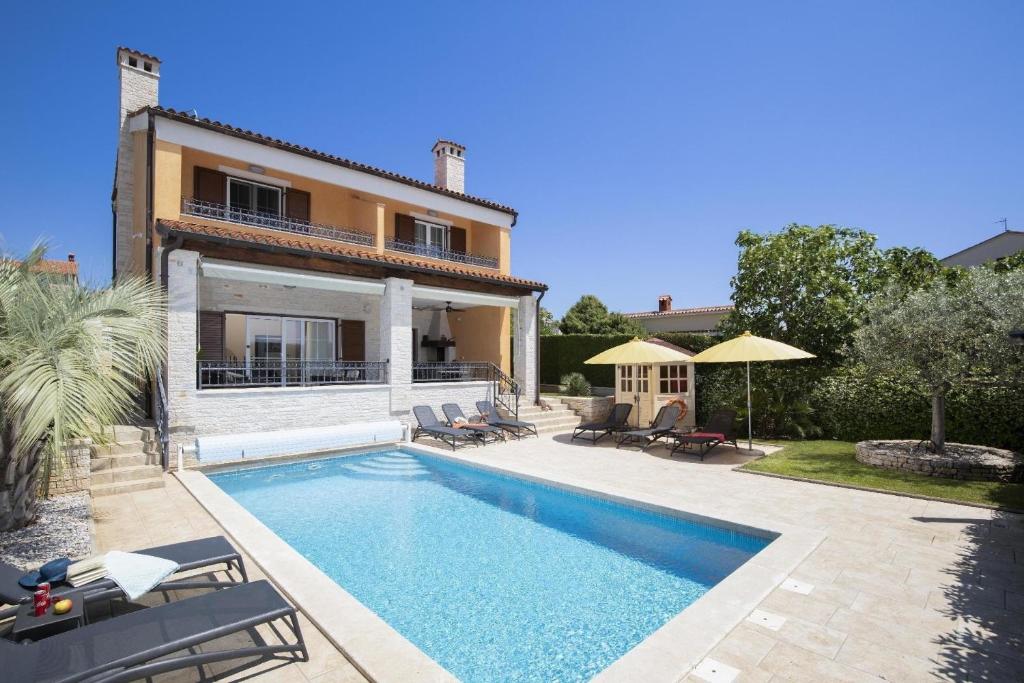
[[833, 461]]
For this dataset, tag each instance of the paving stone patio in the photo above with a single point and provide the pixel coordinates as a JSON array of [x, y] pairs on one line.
[[899, 589]]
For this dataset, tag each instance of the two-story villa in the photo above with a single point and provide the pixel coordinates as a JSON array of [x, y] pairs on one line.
[[308, 290]]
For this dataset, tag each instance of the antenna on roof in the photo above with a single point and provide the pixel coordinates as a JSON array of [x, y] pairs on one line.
[[1003, 221], [194, 113]]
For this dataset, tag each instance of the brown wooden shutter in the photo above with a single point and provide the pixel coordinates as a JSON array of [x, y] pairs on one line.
[[353, 339], [210, 186], [457, 239], [405, 228], [297, 205], [211, 335]]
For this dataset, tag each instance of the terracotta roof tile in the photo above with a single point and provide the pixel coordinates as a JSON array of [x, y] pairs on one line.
[[300, 243], [55, 267], [316, 154], [681, 311]]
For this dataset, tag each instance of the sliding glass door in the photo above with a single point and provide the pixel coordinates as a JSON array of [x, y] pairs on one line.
[[286, 350]]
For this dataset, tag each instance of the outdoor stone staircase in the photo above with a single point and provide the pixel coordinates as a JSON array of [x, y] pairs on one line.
[[554, 418], [130, 462]]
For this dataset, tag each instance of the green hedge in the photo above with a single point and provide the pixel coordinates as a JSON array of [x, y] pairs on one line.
[[565, 353], [854, 406]]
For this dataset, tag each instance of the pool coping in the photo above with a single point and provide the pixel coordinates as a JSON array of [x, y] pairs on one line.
[[382, 654]]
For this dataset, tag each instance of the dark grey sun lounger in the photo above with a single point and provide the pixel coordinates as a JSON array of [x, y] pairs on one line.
[[427, 423], [453, 412], [720, 429], [615, 422], [664, 423], [516, 427], [126, 647], [204, 552]]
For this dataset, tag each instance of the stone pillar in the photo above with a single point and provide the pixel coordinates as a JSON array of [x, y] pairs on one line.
[[526, 348], [182, 343], [396, 342]]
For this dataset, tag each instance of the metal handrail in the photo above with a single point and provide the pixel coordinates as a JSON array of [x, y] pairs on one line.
[[273, 221], [217, 374], [504, 389], [162, 427], [431, 251]]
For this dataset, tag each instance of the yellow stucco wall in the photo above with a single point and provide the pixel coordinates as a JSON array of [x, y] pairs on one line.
[[482, 334]]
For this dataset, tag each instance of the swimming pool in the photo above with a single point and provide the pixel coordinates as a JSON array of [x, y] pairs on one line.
[[494, 577]]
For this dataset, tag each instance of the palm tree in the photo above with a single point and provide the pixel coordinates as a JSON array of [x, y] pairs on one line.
[[72, 360]]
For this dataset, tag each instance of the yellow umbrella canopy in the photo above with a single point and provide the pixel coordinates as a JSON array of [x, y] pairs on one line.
[[638, 352], [748, 348]]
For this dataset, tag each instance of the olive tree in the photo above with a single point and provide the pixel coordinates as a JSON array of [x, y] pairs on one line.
[[946, 335]]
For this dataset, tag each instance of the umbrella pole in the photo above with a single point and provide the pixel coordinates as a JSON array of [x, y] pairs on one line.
[[750, 422]]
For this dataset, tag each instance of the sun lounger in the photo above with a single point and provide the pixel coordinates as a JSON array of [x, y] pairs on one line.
[[492, 417], [454, 414], [615, 422], [198, 554], [427, 423], [721, 428], [137, 645], [664, 422]]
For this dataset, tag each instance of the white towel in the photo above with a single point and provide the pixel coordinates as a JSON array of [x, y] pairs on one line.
[[137, 574]]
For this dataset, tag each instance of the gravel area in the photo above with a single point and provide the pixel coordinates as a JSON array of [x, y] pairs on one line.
[[61, 529]]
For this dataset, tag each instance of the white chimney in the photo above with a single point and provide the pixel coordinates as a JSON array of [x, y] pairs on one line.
[[139, 75], [450, 166]]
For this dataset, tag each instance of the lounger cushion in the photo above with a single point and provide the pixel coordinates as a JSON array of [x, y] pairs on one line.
[[707, 435]]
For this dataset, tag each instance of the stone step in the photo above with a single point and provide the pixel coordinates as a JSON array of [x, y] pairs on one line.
[[558, 427], [548, 418], [121, 474], [116, 487], [117, 448], [99, 463], [125, 432], [536, 410]]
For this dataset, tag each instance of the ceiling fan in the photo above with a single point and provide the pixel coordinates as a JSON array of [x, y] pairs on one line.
[[447, 308]]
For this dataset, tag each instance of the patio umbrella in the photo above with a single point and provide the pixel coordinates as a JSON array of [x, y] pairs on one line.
[[747, 348], [637, 352]]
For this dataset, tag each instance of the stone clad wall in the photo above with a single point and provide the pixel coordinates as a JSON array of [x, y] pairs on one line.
[[590, 408], [73, 474], [961, 461]]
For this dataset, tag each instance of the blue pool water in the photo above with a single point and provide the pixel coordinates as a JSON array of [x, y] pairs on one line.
[[494, 577]]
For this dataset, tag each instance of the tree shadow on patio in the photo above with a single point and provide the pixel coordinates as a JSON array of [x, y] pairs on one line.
[[985, 595]]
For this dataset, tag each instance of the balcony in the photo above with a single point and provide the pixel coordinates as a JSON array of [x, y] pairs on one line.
[[273, 221], [217, 374], [430, 251]]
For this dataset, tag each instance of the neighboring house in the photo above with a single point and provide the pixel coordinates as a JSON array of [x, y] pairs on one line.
[[58, 270], [307, 290], [1006, 243], [696, 320]]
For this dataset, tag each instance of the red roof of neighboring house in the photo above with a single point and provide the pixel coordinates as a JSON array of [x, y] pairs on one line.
[[55, 267], [667, 345], [681, 311], [300, 243], [252, 136]]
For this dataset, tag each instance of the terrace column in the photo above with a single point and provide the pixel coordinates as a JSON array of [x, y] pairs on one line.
[[526, 348], [396, 342], [182, 342]]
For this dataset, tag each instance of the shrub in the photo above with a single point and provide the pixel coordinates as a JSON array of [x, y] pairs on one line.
[[575, 385], [855, 404]]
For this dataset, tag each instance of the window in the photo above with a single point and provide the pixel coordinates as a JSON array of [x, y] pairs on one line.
[[625, 378], [641, 378], [248, 196], [672, 379], [431, 234], [264, 339]]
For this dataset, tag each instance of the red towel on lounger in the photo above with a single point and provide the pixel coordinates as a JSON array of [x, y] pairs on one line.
[[707, 435]]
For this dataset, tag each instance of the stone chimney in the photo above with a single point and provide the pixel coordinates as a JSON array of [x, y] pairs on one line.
[[139, 76], [664, 303], [450, 166], [71, 257]]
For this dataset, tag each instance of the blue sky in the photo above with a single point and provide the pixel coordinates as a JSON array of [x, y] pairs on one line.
[[635, 144]]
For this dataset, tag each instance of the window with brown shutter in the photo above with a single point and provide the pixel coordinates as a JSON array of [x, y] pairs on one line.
[[209, 185], [457, 239], [353, 339], [405, 228], [211, 335], [296, 205]]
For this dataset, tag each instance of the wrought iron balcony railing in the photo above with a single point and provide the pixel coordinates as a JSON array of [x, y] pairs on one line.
[[431, 251], [222, 374], [273, 221], [452, 372]]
